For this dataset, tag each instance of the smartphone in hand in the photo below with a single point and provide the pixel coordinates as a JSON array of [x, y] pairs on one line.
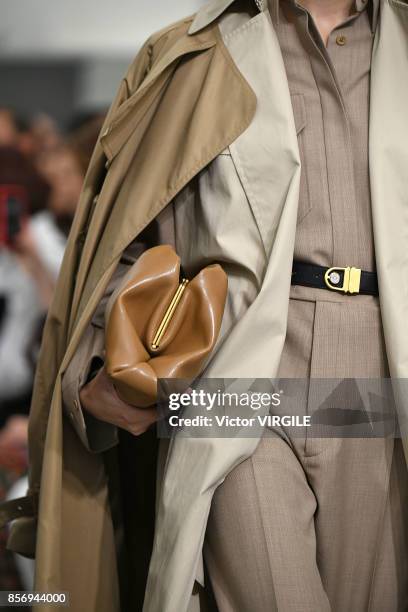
[[13, 213]]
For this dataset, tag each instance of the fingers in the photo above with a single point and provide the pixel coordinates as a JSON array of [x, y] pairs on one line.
[[101, 399], [137, 420]]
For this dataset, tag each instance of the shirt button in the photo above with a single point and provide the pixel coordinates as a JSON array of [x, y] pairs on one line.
[[341, 40]]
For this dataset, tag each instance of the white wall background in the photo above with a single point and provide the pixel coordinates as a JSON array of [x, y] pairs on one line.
[[84, 27], [98, 38]]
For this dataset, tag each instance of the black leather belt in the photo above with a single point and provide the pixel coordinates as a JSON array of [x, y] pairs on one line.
[[346, 280]]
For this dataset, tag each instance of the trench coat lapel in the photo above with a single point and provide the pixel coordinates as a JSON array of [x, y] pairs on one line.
[[389, 187], [266, 154], [124, 121], [128, 115], [149, 181]]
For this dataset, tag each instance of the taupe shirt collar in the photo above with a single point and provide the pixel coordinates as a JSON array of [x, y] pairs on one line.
[[360, 5]]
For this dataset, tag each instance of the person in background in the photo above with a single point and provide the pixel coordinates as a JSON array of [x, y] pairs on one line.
[[22, 192], [64, 168], [26, 142], [17, 132], [30, 261], [46, 133], [49, 174], [83, 135], [23, 282], [8, 128]]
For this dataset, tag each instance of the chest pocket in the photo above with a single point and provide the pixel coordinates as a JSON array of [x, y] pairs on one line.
[[299, 112]]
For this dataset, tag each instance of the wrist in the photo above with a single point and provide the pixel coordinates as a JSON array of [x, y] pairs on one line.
[[84, 396]]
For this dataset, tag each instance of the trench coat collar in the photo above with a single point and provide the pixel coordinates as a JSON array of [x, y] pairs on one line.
[[208, 13]]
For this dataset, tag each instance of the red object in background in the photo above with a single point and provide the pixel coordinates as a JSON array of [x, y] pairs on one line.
[[13, 212]]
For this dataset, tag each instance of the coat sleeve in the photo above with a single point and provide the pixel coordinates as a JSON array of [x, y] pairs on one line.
[[98, 436]]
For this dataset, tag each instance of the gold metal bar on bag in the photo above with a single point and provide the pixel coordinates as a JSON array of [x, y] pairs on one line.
[[169, 314]]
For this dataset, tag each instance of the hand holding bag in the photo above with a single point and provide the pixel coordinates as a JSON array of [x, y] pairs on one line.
[[161, 325]]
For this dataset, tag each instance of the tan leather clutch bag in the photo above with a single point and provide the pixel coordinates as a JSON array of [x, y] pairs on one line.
[[160, 325]]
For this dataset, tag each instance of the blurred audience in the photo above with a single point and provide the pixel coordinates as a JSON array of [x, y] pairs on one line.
[[8, 128], [83, 136], [41, 177], [24, 284]]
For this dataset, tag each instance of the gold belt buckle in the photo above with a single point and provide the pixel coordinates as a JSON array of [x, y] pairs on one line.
[[351, 279]]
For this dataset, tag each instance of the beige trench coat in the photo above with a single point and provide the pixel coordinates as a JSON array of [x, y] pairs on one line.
[[243, 125]]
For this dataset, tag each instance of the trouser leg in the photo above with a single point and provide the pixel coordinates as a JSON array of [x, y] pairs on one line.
[[389, 589], [350, 479], [320, 532], [260, 545]]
